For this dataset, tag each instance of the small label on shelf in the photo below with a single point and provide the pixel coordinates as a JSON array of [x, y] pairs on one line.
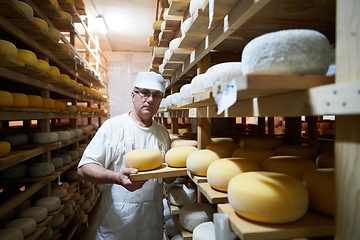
[[227, 97]]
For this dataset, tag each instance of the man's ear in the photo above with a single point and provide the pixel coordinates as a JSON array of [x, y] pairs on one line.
[[132, 96]]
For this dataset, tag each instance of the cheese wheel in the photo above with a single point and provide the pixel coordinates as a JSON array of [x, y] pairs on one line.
[[72, 133], [80, 214], [57, 161], [65, 185], [17, 171], [79, 150], [57, 220], [294, 51], [26, 9], [85, 205], [259, 142], [63, 135], [59, 105], [65, 78], [66, 158], [255, 154], [59, 192], [321, 187], [11, 234], [6, 99], [45, 137], [224, 150], [199, 161], [181, 142], [54, 34], [8, 48], [47, 234], [174, 44], [325, 160], [160, 51], [20, 100], [221, 171], [55, 3], [76, 197], [143, 159], [177, 237], [193, 214], [68, 209], [195, 5], [157, 24], [64, 16], [204, 231], [42, 24], [197, 84], [297, 150], [54, 71], [71, 109], [15, 138], [180, 195], [27, 57], [221, 139], [185, 91], [51, 203], [176, 157], [185, 26], [293, 166], [268, 197], [26, 225], [222, 74], [85, 184], [73, 154], [5, 148], [35, 101], [43, 65], [38, 213], [41, 169], [171, 228]]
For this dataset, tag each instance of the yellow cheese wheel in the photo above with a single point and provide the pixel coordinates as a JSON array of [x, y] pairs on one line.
[[65, 78], [221, 139], [325, 160], [143, 159], [20, 100], [54, 71], [199, 161], [55, 3], [157, 24], [35, 101], [65, 48], [321, 187], [42, 24], [220, 172], [256, 154], [181, 131], [5, 148], [268, 197], [72, 83], [26, 9], [79, 108], [8, 48], [297, 150], [176, 157], [48, 103], [182, 142], [65, 16], [43, 65], [259, 142], [59, 105], [27, 57], [54, 34], [6, 99], [224, 149], [293, 166]]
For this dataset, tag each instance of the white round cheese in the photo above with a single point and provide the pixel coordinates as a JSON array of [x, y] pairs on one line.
[[143, 159], [177, 237], [63, 135], [17, 171], [199, 161], [294, 51], [52, 203], [176, 157], [41, 169], [15, 138], [195, 5], [197, 84], [66, 158], [174, 44], [171, 227], [57, 220], [185, 91], [76, 197], [57, 161], [79, 150], [180, 195], [38, 213], [185, 26], [26, 225], [45, 137], [204, 231], [68, 209], [193, 214], [221, 74], [47, 234], [59, 192], [11, 234]]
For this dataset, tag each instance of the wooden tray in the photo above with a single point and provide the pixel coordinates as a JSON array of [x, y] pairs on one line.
[[212, 195], [161, 172], [310, 225]]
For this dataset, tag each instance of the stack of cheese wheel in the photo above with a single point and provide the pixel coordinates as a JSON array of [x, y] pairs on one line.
[[20, 100], [255, 154], [268, 197], [5, 148], [8, 48], [325, 160], [27, 57], [291, 165], [321, 187], [182, 142], [17, 171], [143, 159], [259, 142], [199, 161], [220, 75], [223, 149], [294, 51], [41, 169], [180, 195], [6, 99], [26, 9], [176, 157], [26, 225], [38, 213], [193, 214], [297, 150], [221, 171]]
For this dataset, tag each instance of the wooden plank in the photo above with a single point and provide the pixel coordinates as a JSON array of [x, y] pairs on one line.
[[178, 7], [9, 61], [212, 195], [50, 10], [161, 172], [310, 225], [36, 234], [46, 222], [15, 157], [196, 179]]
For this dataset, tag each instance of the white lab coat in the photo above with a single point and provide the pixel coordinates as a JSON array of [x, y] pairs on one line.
[[126, 215]]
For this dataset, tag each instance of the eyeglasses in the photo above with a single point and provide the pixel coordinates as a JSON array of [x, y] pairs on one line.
[[145, 94]]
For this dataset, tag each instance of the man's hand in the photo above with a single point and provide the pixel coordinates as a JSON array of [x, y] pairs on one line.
[[124, 180]]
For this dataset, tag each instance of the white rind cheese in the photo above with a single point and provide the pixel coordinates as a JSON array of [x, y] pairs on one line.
[[58, 220], [180, 195], [52, 203], [17, 171], [38, 213], [193, 214], [204, 231], [11, 234], [45, 137], [15, 138], [57, 161], [26, 225], [221, 74], [41, 169], [197, 84]]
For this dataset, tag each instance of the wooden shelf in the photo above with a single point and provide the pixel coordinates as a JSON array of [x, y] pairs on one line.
[[162, 172], [212, 195], [36, 234], [178, 7], [310, 225]]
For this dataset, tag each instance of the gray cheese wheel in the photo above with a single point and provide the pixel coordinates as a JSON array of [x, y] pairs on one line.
[[193, 214]]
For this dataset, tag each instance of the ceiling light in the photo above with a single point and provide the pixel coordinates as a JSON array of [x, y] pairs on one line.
[[101, 25]]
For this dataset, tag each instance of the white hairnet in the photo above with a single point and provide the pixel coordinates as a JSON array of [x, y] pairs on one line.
[[150, 80]]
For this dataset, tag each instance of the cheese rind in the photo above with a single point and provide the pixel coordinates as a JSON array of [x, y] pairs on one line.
[[27, 57], [51, 203], [11, 234], [41, 169], [193, 214], [35, 101], [26, 225], [6, 99], [20, 100], [255, 154], [199, 161], [5, 148], [8, 48], [143, 159], [268, 197], [38, 213], [45, 137], [176, 157], [223, 149]]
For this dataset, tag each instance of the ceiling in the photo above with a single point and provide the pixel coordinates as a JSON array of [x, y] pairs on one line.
[[129, 23]]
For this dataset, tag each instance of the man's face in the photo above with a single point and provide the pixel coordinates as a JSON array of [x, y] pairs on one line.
[[146, 101]]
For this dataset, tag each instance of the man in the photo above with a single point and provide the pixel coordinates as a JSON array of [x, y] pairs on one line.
[[129, 210]]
